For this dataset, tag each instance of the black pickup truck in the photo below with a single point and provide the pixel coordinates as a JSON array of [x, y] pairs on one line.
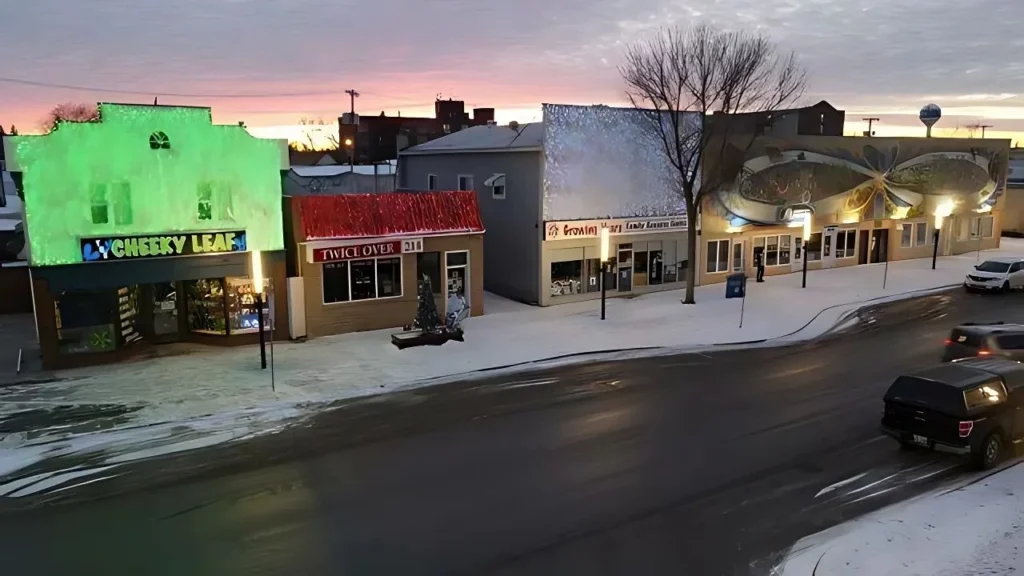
[[970, 407]]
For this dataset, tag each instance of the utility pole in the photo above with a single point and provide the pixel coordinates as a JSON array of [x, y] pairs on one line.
[[352, 118], [871, 122], [983, 127]]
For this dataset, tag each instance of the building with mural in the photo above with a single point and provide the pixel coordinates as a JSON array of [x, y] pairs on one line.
[[141, 229], [862, 200], [546, 190]]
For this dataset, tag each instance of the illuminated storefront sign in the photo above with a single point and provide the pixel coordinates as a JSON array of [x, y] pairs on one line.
[[348, 250], [161, 245], [356, 251], [616, 226]]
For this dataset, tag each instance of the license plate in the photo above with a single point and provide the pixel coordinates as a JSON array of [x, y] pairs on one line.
[[920, 440]]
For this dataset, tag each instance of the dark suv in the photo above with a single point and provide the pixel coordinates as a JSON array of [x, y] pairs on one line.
[[971, 407], [972, 340]]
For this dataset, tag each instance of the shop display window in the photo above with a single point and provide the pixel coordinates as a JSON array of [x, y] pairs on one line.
[[206, 306], [362, 275], [335, 282], [362, 280], [566, 278], [429, 264], [85, 321], [243, 312]]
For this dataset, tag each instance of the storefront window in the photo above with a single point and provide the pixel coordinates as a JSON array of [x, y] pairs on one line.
[[814, 247], [205, 302], [656, 265], [566, 278], [128, 315], [85, 321], [671, 273], [389, 277], [592, 278], [335, 278], [429, 264], [362, 280], [242, 309]]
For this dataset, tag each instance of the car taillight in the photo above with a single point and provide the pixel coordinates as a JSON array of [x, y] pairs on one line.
[[965, 429], [947, 342]]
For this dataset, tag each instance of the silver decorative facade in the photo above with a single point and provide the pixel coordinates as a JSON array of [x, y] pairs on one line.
[[603, 162]]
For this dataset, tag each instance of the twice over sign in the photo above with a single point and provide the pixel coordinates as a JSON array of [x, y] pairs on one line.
[[357, 251], [161, 245]]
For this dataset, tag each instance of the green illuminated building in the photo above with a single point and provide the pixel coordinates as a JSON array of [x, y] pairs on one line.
[[146, 170], [141, 230]]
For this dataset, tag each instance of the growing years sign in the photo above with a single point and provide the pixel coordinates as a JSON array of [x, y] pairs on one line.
[[161, 245]]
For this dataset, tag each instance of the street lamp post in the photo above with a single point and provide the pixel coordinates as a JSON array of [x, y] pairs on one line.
[[605, 240], [257, 287], [807, 238]]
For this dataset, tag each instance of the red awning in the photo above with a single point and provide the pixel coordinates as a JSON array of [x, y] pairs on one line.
[[387, 214]]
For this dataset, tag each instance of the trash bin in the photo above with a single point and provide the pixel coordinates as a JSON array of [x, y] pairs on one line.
[[736, 285]]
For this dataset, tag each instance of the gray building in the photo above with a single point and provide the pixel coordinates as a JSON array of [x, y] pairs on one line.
[[545, 192], [339, 179]]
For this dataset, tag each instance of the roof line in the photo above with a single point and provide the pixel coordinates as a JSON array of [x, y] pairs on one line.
[[469, 150]]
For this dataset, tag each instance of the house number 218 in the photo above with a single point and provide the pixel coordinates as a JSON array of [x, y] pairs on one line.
[[413, 245]]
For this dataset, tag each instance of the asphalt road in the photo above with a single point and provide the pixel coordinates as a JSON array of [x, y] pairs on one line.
[[694, 464]]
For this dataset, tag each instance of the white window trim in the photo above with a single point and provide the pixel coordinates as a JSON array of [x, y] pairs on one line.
[[972, 233], [743, 256], [908, 231], [431, 182], [926, 241], [469, 278], [469, 181], [494, 183], [847, 253], [982, 228], [765, 238], [717, 260], [348, 270]]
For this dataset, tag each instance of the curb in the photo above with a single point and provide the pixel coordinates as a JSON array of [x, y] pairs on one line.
[[844, 317]]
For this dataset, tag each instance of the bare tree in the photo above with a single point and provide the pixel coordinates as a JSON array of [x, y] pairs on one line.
[[321, 128], [679, 77], [70, 112]]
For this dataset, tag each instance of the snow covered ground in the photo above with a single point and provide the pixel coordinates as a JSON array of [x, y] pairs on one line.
[[223, 391], [976, 529]]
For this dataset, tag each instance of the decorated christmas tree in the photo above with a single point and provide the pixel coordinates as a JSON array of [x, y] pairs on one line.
[[427, 318]]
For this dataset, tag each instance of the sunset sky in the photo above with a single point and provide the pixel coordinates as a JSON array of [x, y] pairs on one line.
[[273, 62]]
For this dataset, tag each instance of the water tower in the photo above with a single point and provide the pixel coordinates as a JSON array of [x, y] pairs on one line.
[[929, 115]]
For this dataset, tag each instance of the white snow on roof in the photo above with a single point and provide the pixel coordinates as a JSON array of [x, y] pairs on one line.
[[383, 169], [486, 138]]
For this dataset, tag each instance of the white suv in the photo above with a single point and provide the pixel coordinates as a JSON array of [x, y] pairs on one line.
[[998, 274]]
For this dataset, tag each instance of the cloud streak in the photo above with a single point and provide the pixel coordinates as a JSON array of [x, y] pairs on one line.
[[863, 54]]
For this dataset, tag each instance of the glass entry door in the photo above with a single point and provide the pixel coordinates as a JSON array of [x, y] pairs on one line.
[[165, 309], [457, 277], [625, 272]]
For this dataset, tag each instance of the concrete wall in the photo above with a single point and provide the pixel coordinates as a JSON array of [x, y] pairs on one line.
[[512, 241]]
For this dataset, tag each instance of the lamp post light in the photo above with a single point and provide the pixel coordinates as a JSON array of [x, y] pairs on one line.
[[257, 287], [605, 241], [807, 238]]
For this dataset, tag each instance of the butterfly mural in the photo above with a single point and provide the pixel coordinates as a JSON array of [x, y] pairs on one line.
[[856, 180]]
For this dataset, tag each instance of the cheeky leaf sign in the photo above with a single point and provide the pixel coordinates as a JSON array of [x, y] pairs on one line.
[[161, 245]]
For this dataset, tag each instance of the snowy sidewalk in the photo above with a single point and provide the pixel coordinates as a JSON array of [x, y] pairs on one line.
[[223, 391], [977, 529]]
